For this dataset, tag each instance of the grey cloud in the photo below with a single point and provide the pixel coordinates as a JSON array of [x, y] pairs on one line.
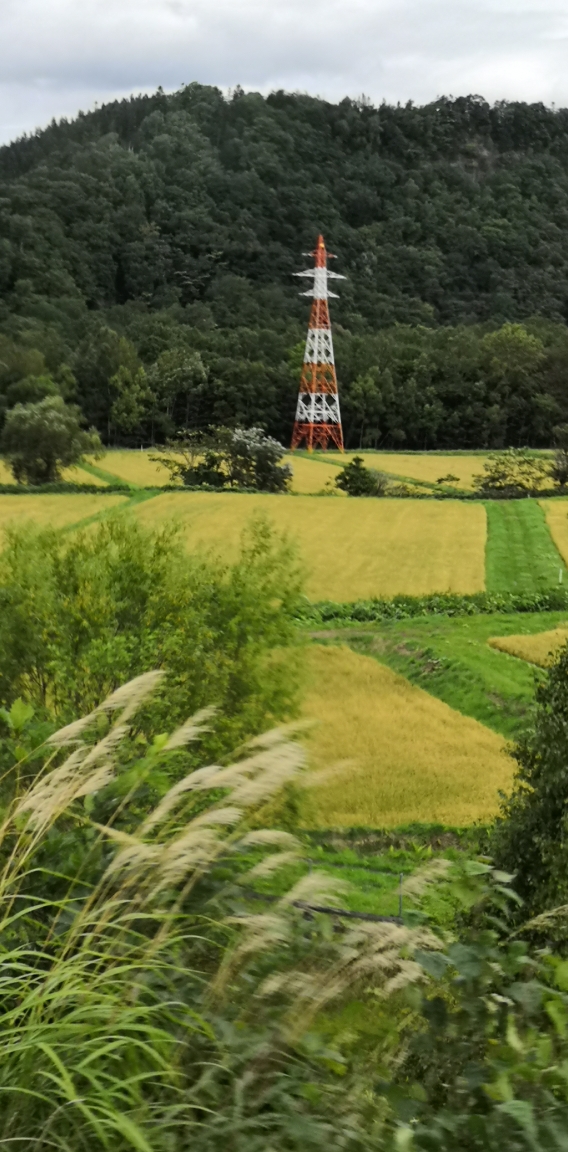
[[57, 55]]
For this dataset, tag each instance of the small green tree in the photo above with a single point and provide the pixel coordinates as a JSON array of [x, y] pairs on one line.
[[531, 835], [357, 480], [38, 440], [132, 399]]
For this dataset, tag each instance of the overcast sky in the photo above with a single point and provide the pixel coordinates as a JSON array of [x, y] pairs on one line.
[[59, 56]]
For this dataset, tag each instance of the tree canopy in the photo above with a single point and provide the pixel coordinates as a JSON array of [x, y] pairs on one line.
[[147, 252]]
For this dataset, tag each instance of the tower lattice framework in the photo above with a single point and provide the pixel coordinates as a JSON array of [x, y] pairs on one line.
[[318, 417]]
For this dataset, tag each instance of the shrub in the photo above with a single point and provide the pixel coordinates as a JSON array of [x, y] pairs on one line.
[[531, 836], [222, 458], [515, 472], [38, 440], [357, 480], [559, 468], [82, 613]]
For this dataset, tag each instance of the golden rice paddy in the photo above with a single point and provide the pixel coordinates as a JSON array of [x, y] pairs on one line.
[[556, 512], [311, 476], [135, 467], [352, 548], [396, 755], [78, 475], [75, 475], [53, 511], [541, 648], [430, 468]]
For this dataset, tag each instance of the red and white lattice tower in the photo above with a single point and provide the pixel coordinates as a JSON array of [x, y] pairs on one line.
[[318, 419]]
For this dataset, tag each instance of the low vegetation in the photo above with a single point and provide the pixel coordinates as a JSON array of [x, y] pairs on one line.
[[522, 555], [452, 658], [83, 612], [357, 480], [227, 458], [530, 838]]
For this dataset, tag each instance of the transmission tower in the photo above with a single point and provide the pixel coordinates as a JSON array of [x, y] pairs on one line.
[[318, 419]]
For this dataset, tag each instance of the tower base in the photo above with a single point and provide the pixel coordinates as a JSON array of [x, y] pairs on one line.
[[312, 436]]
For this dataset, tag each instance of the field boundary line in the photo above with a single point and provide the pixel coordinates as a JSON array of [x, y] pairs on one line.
[[138, 497], [109, 477]]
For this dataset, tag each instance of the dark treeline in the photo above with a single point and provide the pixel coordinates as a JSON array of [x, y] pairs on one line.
[[147, 251]]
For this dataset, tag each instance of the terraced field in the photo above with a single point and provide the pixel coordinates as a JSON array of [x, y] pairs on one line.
[[352, 548], [428, 467], [400, 754], [54, 511], [540, 648]]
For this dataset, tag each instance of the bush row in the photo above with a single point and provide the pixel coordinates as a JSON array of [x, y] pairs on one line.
[[443, 604]]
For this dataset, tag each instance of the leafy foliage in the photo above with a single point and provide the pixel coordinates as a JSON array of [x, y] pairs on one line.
[[559, 468], [160, 233], [222, 458], [357, 480], [38, 440], [441, 604], [82, 613], [531, 836], [513, 473]]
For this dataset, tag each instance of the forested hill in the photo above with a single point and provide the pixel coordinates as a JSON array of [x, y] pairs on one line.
[[175, 222]]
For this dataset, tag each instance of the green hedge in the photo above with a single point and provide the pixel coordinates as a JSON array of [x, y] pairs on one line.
[[64, 489], [444, 604]]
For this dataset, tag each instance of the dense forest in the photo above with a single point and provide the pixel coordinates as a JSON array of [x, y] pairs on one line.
[[147, 252]]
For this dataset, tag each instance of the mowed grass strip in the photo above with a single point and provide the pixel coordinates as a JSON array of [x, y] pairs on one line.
[[53, 511], [541, 649], [401, 755], [352, 548], [521, 553]]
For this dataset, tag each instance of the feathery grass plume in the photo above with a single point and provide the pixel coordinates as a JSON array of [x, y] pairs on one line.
[[113, 1005], [416, 885]]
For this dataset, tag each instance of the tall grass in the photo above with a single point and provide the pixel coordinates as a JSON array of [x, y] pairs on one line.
[[144, 1004]]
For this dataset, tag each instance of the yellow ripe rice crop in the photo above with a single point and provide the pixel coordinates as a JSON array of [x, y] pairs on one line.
[[541, 648], [396, 755], [74, 475], [426, 467], [5, 474], [352, 548], [53, 511], [556, 512], [134, 467], [78, 475], [311, 476]]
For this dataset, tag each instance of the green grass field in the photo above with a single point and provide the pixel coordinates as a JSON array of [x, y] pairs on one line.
[[521, 554]]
